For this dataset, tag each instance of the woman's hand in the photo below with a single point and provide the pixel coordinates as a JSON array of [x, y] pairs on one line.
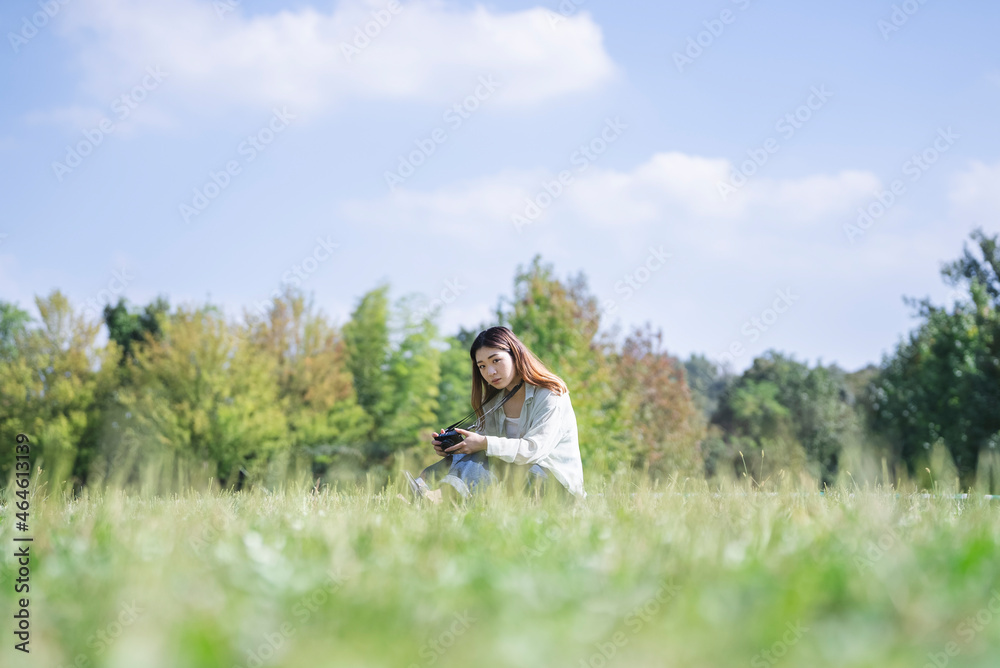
[[473, 443], [437, 443]]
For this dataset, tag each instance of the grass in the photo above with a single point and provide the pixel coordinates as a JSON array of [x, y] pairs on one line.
[[635, 575]]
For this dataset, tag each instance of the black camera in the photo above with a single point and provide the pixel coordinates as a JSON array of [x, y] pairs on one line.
[[448, 438]]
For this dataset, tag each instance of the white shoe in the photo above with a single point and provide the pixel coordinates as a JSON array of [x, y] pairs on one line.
[[418, 486]]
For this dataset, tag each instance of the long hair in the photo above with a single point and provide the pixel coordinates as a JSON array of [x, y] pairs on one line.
[[529, 367]]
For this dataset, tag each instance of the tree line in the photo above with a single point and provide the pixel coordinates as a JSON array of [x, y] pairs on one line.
[[181, 396], [929, 412]]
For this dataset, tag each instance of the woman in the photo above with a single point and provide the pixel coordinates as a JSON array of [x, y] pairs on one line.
[[533, 431]]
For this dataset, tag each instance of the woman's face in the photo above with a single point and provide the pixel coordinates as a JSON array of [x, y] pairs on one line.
[[497, 367]]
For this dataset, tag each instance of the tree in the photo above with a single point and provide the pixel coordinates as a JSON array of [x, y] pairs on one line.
[[315, 387], [129, 329], [707, 382], [942, 384], [199, 398], [664, 420], [632, 406], [366, 336], [559, 322], [800, 417], [409, 406], [970, 270], [47, 382], [13, 325], [454, 389]]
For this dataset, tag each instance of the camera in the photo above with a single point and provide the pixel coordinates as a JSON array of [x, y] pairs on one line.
[[448, 438]]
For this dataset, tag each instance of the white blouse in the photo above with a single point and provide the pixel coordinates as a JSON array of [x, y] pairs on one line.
[[513, 426], [549, 436]]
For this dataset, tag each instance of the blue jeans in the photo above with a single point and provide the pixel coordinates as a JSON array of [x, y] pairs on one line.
[[477, 469]]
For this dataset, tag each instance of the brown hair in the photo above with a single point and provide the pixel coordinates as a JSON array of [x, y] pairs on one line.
[[529, 367]]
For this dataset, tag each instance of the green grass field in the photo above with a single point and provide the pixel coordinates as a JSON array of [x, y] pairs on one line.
[[631, 576]]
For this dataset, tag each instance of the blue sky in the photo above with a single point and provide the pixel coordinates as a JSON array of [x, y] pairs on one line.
[[698, 195]]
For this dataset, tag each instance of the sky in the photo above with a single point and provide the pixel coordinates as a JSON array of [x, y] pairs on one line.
[[742, 175]]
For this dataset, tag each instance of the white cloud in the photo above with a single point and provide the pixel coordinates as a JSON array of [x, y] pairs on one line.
[[975, 194], [681, 186], [667, 182], [90, 117], [425, 51], [728, 257], [813, 198], [669, 188], [75, 116], [477, 204]]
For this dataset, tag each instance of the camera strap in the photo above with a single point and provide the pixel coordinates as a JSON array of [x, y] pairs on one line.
[[505, 400]]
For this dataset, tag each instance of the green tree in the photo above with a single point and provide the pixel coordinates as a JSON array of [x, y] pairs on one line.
[[129, 329], [315, 387], [560, 323], [942, 384], [665, 424], [412, 379], [632, 405], [707, 382], [801, 418], [199, 400], [47, 382], [13, 325], [454, 390], [366, 335]]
